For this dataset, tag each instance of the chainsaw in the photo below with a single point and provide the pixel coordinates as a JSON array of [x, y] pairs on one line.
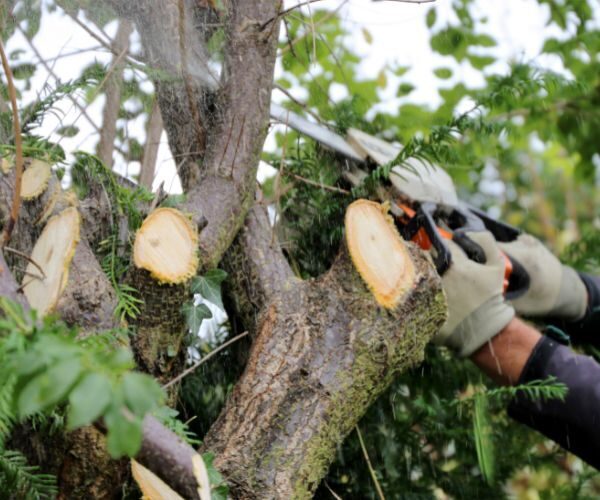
[[424, 203]]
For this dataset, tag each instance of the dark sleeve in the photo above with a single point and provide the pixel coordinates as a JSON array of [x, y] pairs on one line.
[[587, 329], [575, 422]]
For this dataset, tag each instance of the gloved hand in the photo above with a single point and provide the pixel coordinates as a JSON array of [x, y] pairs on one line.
[[476, 307], [555, 290]]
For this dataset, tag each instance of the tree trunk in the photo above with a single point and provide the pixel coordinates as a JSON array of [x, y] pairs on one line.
[[110, 112]]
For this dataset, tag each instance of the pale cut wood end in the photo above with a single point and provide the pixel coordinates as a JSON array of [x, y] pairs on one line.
[[152, 487], [53, 252], [6, 165], [35, 179], [378, 252], [167, 246]]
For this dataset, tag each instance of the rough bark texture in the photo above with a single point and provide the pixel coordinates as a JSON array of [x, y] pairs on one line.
[[168, 457], [88, 300], [160, 326], [324, 351], [257, 269]]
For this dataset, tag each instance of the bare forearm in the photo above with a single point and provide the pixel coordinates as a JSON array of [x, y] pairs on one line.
[[504, 356]]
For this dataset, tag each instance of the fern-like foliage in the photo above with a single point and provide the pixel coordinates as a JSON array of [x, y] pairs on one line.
[[33, 114], [19, 480], [89, 171]]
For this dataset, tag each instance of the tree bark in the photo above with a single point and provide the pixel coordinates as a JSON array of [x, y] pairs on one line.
[[324, 351]]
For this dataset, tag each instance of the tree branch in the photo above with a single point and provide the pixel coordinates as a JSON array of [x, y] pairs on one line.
[[258, 271]]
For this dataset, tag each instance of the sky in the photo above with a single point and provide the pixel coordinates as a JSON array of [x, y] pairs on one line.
[[398, 36]]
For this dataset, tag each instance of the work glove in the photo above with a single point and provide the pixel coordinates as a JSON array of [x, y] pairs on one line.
[[555, 290], [476, 307]]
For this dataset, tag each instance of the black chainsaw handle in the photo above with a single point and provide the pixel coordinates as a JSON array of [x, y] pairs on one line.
[[516, 276], [518, 280]]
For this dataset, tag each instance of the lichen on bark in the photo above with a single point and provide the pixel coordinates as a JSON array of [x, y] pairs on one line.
[[324, 351]]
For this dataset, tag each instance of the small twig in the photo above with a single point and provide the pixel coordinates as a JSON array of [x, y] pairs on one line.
[[27, 273], [16, 204], [335, 189], [333, 493], [159, 197], [299, 103], [368, 460], [26, 257], [212, 353], [299, 38], [287, 11], [130, 59], [114, 65]]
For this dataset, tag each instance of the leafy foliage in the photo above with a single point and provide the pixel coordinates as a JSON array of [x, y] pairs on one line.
[[20, 480], [46, 366]]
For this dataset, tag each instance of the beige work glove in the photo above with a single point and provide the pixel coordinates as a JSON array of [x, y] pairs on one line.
[[476, 307], [554, 290]]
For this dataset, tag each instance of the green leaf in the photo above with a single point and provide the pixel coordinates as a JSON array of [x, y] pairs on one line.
[[367, 36], [88, 400], [431, 17], [68, 131], [219, 487], [124, 434], [404, 89], [49, 387], [195, 315], [209, 286], [443, 73], [480, 62], [141, 392], [400, 70]]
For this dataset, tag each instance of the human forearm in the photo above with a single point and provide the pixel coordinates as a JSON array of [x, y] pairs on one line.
[[504, 357]]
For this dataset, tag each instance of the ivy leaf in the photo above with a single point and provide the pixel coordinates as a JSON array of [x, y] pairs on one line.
[[195, 315], [124, 434], [49, 387], [88, 400], [141, 392], [209, 286]]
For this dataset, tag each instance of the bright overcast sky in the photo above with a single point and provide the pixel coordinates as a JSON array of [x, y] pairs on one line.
[[399, 37]]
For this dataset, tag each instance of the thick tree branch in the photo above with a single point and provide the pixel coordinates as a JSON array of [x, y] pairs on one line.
[[324, 351], [258, 271], [225, 191]]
